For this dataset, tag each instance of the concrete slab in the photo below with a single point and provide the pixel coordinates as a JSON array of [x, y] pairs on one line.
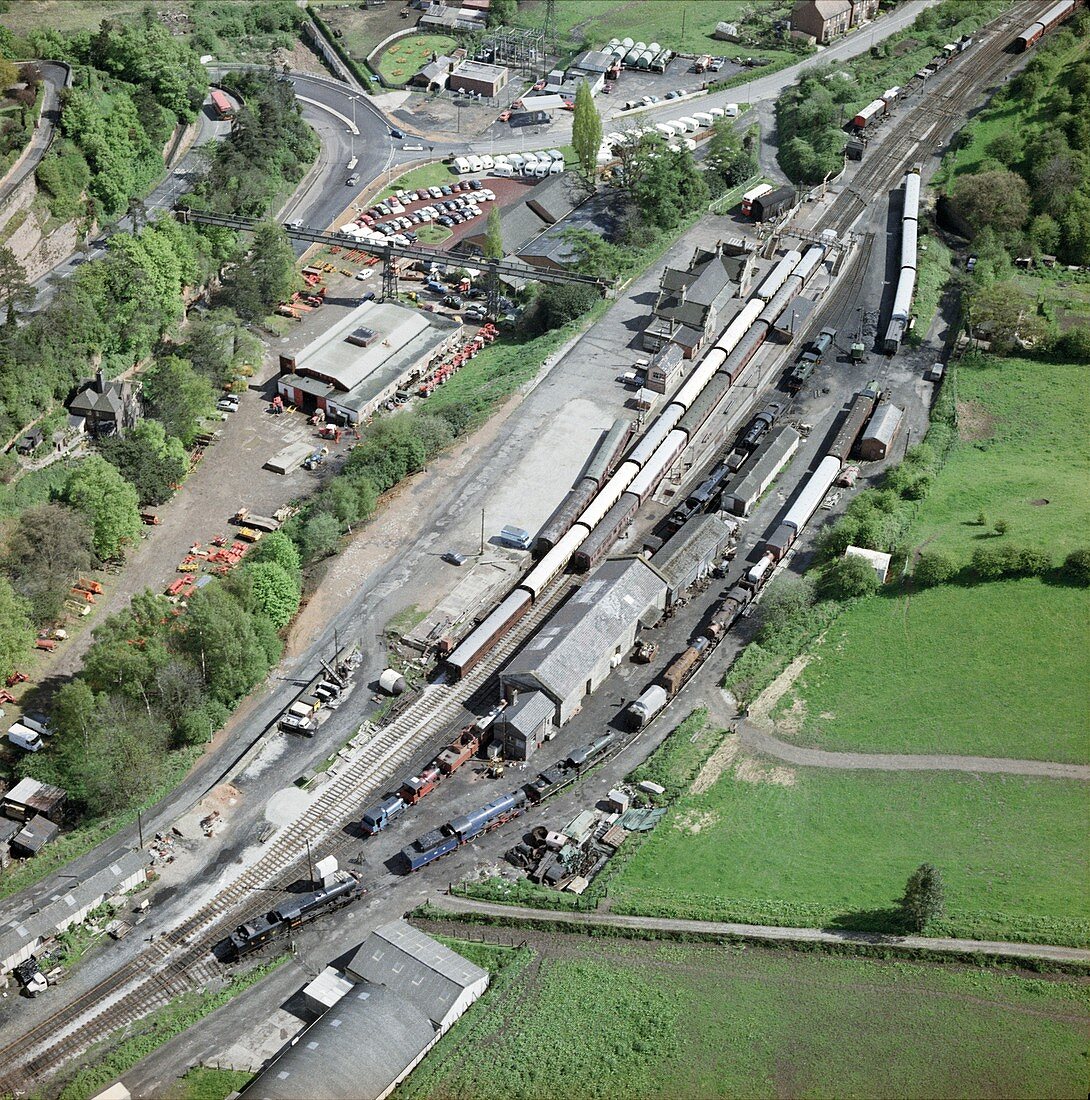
[[475, 592]]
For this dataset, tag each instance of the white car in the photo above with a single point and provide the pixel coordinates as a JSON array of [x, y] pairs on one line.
[[435, 192], [364, 273], [228, 403]]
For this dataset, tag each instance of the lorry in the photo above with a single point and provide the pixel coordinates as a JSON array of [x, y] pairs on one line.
[[25, 737]]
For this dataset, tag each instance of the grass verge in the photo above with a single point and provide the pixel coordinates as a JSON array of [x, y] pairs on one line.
[[210, 1083]]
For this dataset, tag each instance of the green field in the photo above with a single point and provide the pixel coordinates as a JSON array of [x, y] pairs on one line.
[[402, 60], [883, 679], [615, 1018], [1022, 426], [684, 26], [814, 847]]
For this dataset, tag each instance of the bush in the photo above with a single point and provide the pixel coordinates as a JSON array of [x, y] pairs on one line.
[[555, 306], [933, 567], [1076, 567], [785, 598], [847, 578]]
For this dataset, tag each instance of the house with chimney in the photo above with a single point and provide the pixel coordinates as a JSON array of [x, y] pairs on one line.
[[101, 408], [820, 21], [692, 301]]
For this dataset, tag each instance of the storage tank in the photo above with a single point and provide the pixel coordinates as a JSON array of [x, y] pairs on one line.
[[392, 682], [654, 47], [645, 59], [631, 58], [627, 43]]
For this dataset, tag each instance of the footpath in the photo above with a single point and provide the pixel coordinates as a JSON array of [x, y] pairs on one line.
[[768, 933]]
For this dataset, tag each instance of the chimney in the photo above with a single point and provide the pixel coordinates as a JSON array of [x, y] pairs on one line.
[[514, 696], [100, 382], [287, 364]]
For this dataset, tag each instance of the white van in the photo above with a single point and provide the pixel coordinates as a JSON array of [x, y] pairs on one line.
[[25, 737], [461, 165], [475, 164], [487, 163], [39, 723]]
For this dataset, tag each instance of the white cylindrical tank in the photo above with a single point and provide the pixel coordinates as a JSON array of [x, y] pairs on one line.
[[392, 682]]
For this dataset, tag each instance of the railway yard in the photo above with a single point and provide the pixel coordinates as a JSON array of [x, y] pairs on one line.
[[594, 479]]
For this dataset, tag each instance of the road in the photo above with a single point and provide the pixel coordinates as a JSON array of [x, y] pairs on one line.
[[55, 76]]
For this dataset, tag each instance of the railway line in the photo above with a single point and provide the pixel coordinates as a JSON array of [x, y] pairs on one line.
[[181, 959]]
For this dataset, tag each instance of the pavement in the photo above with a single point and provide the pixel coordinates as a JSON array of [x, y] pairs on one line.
[[941, 944]]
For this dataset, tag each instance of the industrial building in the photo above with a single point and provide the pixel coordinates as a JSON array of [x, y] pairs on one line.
[[692, 553], [30, 797], [768, 460], [477, 78], [772, 205], [570, 656], [24, 932], [692, 302], [879, 434], [377, 349], [525, 724], [399, 994], [552, 248]]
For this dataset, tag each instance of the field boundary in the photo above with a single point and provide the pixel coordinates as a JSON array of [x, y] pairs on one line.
[[995, 951]]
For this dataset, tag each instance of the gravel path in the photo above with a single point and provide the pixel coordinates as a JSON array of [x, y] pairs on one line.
[[763, 931], [752, 737]]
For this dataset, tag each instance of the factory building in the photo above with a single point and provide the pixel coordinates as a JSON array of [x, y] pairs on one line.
[[692, 553], [477, 78], [767, 461], [575, 651], [399, 994], [361, 362]]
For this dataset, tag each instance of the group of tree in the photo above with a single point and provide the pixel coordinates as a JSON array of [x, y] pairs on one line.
[[658, 187], [809, 123], [155, 680], [730, 158], [1030, 194]]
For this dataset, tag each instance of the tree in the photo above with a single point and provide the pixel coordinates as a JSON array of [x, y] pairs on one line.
[[502, 12], [594, 255], [1074, 344], [147, 458], [586, 133], [933, 567], [493, 235], [9, 73], [15, 291], [109, 502], [320, 537], [276, 590], [16, 635], [923, 899], [266, 276], [177, 396], [999, 199], [726, 158], [49, 547], [130, 648], [277, 547], [1001, 527], [849, 577], [1007, 316], [557, 305]]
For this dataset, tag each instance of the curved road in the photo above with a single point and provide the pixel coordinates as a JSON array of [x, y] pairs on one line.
[[55, 76], [454, 904]]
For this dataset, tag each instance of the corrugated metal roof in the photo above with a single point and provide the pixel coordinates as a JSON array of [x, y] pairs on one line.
[[358, 1048], [884, 424], [415, 966], [588, 626]]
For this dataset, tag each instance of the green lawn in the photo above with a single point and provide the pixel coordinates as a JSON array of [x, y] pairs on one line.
[[402, 60], [934, 270], [612, 1018], [815, 847], [883, 679], [1023, 439], [428, 175]]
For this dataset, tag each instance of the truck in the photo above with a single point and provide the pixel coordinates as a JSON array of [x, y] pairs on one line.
[[24, 737], [646, 707]]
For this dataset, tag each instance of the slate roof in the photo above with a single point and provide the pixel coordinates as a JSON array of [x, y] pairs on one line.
[[529, 711], [598, 215], [698, 539], [358, 1049], [708, 281], [88, 400], [588, 626]]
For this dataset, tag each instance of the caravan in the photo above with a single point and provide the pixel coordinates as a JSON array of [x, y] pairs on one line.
[[517, 162], [461, 165], [503, 170], [487, 163], [474, 163], [530, 163], [666, 129]]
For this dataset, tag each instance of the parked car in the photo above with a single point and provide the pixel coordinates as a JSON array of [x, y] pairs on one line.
[[364, 273], [452, 557], [476, 185], [228, 403], [396, 133], [453, 301]]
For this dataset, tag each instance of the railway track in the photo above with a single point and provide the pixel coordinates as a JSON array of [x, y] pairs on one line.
[[929, 122], [181, 960]]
